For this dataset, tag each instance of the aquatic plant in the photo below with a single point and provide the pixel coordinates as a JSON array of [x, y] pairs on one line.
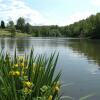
[[28, 77]]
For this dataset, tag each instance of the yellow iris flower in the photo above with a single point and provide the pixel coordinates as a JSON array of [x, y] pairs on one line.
[[50, 97]]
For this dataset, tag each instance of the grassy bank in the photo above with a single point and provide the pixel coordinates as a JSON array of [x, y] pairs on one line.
[[28, 77], [6, 33]]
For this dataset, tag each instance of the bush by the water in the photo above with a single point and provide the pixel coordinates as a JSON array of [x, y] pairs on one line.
[[28, 77]]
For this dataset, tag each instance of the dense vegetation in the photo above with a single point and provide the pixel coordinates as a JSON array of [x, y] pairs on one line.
[[28, 77], [89, 28]]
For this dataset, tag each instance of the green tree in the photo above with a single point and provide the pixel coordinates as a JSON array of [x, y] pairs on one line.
[[21, 24], [27, 28], [2, 24], [12, 28]]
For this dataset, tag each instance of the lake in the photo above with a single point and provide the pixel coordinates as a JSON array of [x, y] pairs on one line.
[[79, 61]]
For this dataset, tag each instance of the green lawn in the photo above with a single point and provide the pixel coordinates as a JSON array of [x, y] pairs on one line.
[[5, 33]]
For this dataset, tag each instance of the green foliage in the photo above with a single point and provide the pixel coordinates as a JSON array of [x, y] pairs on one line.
[[54, 33], [28, 77], [13, 31], [89, 27], [20, 24], [46, 31], [27, 28]]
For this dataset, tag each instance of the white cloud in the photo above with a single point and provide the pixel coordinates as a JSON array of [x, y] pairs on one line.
[[1, 1], [13, 9], [95, 3], [77, 16]]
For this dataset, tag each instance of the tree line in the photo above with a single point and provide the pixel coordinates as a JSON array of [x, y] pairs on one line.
[[88, 28]]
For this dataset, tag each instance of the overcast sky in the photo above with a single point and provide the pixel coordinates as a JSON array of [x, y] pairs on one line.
[[47, 12]]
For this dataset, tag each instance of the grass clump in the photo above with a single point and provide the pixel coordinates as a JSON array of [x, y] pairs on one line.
[[28, 77]]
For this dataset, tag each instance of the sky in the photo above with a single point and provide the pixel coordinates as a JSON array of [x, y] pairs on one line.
[[48, 12]]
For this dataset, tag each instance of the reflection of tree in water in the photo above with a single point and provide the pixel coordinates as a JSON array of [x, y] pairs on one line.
[[2, 43], [90, 48], [7, 44], [22, 44], [10, 43], [48, 42]]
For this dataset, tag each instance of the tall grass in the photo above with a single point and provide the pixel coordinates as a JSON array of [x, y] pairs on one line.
[[28, 77]]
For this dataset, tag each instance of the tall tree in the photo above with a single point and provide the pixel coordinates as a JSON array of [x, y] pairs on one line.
[[2, 24], [21, 24]]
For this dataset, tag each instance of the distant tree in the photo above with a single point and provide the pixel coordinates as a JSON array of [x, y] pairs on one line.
[[54, 33], [10, 24], [2, 24], [20, 24], [27, 28], [11, 28]]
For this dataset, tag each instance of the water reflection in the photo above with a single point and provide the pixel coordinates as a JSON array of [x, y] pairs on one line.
[[9, 44], [2, 43], [88, 48], [22, 44]]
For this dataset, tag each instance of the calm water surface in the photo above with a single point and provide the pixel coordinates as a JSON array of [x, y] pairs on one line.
[[79, 61]]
